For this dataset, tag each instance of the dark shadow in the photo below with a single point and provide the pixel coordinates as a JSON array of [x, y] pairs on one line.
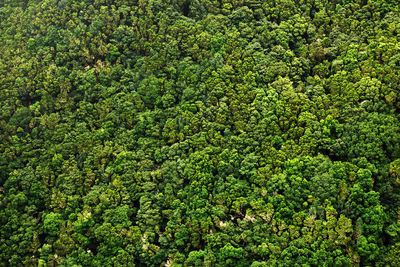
[[186, 8]]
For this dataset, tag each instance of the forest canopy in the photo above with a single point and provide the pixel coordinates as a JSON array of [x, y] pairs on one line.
[[199, 133]]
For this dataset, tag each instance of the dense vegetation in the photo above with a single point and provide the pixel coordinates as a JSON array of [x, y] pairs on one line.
[[199, 133]]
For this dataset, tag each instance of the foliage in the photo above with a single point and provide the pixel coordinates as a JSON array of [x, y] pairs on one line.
[[203, 132]]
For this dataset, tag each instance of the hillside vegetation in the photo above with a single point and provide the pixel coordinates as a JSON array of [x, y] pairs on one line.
[[199, 133]]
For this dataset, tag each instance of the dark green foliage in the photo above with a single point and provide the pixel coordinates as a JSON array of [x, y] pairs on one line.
[[199, 133]]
